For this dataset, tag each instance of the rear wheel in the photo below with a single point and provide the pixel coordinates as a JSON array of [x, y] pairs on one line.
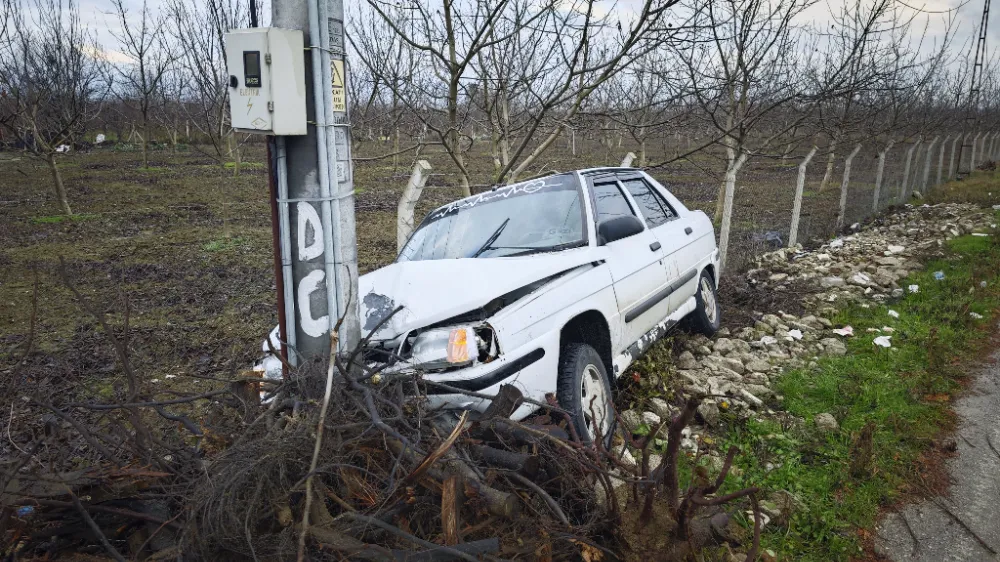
[[584, 391], [705, 317]]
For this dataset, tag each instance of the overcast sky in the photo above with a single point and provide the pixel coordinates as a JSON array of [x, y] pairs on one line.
[[99, 15]]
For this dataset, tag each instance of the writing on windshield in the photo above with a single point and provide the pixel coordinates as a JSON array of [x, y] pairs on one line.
[[525, 188]]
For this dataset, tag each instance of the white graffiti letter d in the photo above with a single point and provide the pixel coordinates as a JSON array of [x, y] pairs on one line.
[[309, 218]]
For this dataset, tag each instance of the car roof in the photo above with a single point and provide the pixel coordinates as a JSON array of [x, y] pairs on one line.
[[606, 169]]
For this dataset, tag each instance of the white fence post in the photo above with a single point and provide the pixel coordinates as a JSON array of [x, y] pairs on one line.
[[927, 166], [408, 202], [906, 171], [954, 147], [879, 174], [627, 161], [844, 184], [972, 157], [793, 233], [944, 144]]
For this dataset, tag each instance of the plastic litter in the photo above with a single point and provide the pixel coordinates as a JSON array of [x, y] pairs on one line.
[[768, 340], [983, 284], [883, 341], [976, 315], [795, 334], [914, 288], [894, 314], [845, 331], [888, 329], [939, 275], [25, 510], [980, 234]]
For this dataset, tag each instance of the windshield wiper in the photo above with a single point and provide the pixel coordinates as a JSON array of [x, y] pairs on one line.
[[540, 249], [493, 238]]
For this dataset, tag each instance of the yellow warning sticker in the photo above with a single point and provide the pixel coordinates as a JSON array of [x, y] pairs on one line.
[[339, 96]]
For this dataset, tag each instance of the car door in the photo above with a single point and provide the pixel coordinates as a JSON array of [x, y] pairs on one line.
[[674, 233], [636, 264]]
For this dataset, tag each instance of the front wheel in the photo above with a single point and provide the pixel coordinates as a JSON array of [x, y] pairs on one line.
[[705, 317], [584, 391]]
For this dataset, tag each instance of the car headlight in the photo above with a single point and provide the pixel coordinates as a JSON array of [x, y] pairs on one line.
[[445, 347]]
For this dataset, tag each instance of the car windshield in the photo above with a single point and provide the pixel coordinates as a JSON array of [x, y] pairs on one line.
[[533, 216]]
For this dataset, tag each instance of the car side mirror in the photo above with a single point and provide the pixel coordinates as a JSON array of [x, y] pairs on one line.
[[617, 228]]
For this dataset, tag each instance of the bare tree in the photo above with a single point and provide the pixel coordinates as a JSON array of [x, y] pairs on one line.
[[526, 67], [51, 75], [138, 83], [199, 32], [740, 74]]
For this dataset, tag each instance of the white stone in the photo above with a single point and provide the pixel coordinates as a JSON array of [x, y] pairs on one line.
[[826, 423]]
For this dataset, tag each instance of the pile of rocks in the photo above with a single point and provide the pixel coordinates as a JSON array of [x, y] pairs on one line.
[[737, 369]]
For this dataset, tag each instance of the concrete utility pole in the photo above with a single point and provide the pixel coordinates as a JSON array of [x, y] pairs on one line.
[[316, 189], [972, 107]]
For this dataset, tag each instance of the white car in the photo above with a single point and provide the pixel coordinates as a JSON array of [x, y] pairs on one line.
[[554, 285]]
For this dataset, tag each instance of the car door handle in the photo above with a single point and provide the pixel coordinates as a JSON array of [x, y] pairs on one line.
[[654, 246], [688, 230]]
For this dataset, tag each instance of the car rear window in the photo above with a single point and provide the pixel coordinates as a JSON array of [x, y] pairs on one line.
[[609, 202], [654, 209]]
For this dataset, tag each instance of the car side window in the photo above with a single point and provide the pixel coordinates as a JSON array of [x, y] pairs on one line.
[[610, 202], [652, 205]]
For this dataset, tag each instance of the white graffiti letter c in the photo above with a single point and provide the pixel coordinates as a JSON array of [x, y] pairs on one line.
[[314, 327], [308, 217]]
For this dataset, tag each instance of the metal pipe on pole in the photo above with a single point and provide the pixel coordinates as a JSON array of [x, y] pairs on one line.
[[345, 251]]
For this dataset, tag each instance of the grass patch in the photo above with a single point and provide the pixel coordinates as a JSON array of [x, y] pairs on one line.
[[225, 244], [56, 219], [247, 165], [890, 404], [153, 169], [981, 187]]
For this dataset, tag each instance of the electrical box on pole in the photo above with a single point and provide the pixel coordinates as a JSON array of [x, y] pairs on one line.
[[267, 84]]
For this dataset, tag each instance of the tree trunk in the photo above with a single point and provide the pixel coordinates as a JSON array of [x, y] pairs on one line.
[[57, 182], [642, 153], [727, 213], [237, 157], [145, 143]]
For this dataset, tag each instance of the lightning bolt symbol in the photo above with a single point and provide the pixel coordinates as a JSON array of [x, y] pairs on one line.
[[249, 105]]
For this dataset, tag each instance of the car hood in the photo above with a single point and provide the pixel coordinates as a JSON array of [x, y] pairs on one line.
[[430, 291]]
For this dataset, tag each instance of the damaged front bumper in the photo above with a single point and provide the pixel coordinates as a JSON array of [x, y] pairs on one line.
[[532, 368]]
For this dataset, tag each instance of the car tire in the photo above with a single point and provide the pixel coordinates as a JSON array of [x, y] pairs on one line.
[[583, 380], [706, 316]]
